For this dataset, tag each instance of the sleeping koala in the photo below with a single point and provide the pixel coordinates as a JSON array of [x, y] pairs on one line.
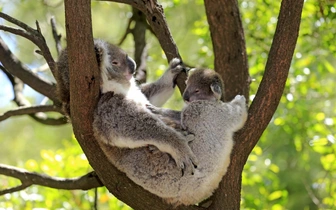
[[202, 84], [212, 124]]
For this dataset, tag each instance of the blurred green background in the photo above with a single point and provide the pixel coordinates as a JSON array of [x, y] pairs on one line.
[[292, 167]]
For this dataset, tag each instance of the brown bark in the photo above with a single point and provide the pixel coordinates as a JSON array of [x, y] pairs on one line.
[[140, 48], [229, 46]]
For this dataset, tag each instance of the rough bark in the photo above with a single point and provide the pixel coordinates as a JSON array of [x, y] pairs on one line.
[[228, 40], [140, 45]]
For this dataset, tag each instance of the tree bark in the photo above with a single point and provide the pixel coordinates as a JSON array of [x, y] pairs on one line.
[[140, 45], [228, 40]]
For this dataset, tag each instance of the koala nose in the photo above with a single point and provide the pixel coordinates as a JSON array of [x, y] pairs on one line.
[[131, 64], [186, 97]]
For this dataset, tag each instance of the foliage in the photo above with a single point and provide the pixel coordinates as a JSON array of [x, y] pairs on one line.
[[292, 167], [69, 161]]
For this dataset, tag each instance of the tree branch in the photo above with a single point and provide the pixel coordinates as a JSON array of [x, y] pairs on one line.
[[128, 31], [16, 68], [29, 110], [56, 35], [27, 179], [20, 100], [228, 40], [139, 36], [273, 83], [31, 34]]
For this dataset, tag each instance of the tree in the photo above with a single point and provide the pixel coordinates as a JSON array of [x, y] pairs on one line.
[[230, 61]]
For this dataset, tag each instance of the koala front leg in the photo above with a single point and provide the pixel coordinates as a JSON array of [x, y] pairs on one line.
[[123, 123], [239, 112], [160, 91], [172, 115]]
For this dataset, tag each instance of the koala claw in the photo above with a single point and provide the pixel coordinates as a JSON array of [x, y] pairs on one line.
[[176, 66], [175, 62], [189, 136], [188, 166], [153, 109]]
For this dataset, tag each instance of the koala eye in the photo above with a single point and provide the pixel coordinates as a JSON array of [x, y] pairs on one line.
[[115, 63], [197, 91]]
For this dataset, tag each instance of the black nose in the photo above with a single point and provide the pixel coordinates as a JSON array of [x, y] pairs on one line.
[[186, 96], [131, 64]]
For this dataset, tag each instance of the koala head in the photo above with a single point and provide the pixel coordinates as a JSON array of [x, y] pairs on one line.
[[203, 84], [116, 67]]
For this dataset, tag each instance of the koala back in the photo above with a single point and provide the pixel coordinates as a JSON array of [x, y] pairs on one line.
[[213, 124]]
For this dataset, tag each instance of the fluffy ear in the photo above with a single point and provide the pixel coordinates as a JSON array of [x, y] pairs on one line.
[[99, 54], [190, 70], [216, 89]]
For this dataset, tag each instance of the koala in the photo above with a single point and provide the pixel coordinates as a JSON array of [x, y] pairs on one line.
[[157, 92], [121, 118], [212, 123], [202, 84]]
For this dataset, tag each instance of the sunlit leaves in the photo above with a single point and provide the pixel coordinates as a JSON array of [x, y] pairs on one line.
[[67, 162], [300, 140]]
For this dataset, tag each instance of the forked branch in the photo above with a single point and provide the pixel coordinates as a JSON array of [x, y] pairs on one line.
[[34, 35], [85, 182]]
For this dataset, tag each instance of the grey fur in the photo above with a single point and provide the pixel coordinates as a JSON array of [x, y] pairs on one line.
[[157, 92], [202, 84], [117, 58], [212, 123]]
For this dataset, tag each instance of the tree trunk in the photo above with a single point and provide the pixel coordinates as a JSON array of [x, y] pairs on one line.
[[230, 61]]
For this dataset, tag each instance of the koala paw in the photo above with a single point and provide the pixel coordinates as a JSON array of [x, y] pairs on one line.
[[153, 109], [239, 99], [153, 149], [175, 66], [185, 158], [189, 136]]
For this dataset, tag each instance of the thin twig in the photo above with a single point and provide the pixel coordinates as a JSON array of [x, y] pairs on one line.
[[56, 35], [31, 34], [14, 21], [85, 182], [29, 110], [128, 31], [20, 100], [16, 68]]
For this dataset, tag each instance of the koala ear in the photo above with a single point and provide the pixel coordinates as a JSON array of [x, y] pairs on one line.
[[99, 54], [190, 70], [216, 89]]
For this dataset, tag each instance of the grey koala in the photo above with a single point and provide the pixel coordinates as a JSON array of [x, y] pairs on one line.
[[202, 84], [114, 58], [212, 123], [121, 118]]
